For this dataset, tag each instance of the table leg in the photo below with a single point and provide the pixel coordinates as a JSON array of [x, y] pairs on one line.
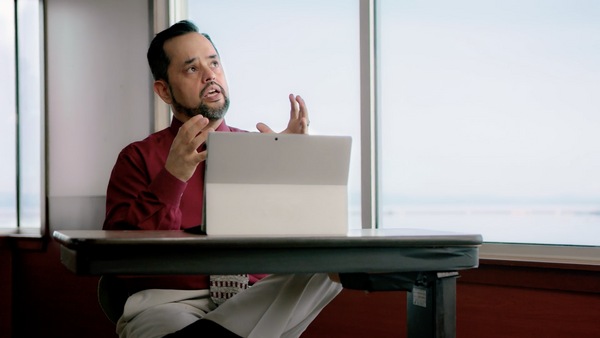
[[431, 306]]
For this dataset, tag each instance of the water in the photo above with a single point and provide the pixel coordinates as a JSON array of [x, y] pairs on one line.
[[558, 225], [31, 218]]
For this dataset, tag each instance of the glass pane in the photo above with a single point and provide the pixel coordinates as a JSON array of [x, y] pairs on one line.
[[490, 118], [30, 112], [272, 48], [8, 113]]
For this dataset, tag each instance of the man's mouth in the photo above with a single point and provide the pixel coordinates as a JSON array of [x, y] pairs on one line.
[[212, 91]]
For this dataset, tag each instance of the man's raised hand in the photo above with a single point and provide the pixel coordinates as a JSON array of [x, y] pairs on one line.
[[298, 123], [184, 156]]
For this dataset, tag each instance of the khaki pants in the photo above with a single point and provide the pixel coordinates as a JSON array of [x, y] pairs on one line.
[[276, 306]]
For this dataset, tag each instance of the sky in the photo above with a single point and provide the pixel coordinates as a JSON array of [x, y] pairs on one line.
[[491, 99]]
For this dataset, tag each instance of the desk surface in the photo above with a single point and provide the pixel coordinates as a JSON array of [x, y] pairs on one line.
[[177, 252]]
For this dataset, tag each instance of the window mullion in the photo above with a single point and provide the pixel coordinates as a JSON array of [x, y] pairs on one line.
[[18, 177], [369, 163]]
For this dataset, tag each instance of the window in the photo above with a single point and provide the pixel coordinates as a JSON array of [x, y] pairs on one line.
[[485, 113], [22, 127], [8, 189], [272, 48], [490, 118]]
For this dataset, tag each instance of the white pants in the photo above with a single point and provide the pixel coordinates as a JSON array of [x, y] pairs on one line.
[[276, 306]]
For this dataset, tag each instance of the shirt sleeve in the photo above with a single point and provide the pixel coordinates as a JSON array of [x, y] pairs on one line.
[[136, 200]]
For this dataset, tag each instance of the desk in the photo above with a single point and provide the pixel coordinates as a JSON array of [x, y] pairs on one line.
[[425, 260]]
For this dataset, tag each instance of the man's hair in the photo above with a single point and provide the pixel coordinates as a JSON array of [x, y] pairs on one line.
[[157, 58]]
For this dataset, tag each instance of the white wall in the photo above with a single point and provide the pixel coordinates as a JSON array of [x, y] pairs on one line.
[[99, 99]]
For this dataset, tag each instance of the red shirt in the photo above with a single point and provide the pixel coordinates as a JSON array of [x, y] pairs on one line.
[[143, 195]]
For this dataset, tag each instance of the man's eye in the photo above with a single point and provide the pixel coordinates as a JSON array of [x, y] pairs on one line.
[[192, 70], [215, 64]]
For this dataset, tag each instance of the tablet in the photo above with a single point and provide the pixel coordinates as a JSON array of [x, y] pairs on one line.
[[276, 184]]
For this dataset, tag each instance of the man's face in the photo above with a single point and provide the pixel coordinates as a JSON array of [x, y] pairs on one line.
[[196, 79]]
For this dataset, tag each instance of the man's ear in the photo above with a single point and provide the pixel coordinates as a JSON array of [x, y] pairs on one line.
[[161, 88]]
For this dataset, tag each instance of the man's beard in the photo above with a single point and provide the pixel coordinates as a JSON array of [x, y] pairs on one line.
[[203, 109]]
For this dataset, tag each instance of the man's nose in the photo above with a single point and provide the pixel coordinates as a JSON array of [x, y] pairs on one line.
[[208, 75]]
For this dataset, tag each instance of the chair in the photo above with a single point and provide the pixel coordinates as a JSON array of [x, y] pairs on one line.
[[112, 295]]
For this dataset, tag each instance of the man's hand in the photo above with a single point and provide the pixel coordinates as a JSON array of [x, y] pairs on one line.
[[183, 156], [298, 123]]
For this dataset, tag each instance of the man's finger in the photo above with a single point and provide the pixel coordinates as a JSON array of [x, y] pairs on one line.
[[200, 138], [202, 156], [192, 127], [303, 111], [293, 107], [263, 128]]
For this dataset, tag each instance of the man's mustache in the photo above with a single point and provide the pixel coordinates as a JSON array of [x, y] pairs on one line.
[[208, 85]]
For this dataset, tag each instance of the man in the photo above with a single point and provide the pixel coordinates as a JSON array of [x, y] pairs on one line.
[[157, 184]]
